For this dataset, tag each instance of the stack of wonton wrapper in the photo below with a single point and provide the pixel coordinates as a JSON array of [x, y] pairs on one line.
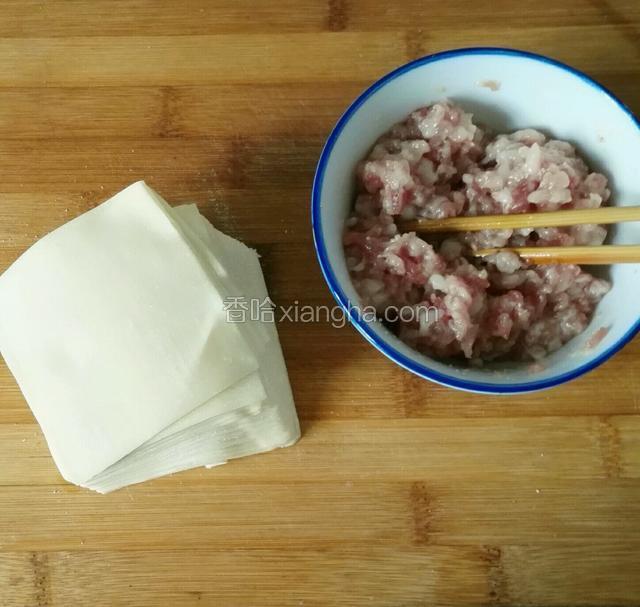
[[115, 327]]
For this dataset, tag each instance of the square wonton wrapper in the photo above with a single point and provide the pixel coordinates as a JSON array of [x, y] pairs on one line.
[[113, 330], [244, 427]]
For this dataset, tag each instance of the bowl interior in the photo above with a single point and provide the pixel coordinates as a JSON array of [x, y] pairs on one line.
[[530, 91]]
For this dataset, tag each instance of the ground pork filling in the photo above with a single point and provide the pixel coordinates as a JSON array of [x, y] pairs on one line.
[[435, 164]]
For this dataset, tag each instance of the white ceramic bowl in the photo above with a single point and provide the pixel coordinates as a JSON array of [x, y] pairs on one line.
[[533, 91]]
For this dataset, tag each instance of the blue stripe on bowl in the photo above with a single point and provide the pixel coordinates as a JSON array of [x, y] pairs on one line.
[[341, 298]]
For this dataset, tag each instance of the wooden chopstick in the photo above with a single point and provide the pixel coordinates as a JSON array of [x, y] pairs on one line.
[[600, 255], [602, 215]]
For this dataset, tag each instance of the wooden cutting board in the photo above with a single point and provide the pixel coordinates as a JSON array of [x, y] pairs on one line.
[[400, 493]]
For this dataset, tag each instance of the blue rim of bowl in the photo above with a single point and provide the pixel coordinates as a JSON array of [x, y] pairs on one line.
[[334, 286]]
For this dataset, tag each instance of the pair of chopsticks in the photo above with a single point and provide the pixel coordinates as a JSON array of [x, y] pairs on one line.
[[596, 255]]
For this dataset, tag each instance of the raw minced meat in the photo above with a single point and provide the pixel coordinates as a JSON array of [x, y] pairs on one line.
[[438, 163]]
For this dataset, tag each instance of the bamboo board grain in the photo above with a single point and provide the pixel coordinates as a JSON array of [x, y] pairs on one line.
[[401, 492]]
